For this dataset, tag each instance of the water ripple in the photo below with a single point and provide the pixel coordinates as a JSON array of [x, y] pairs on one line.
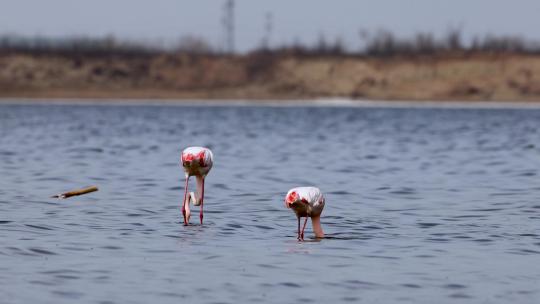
[[415, 199]]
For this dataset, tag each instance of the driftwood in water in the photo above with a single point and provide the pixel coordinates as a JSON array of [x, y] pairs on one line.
[[76, 192]]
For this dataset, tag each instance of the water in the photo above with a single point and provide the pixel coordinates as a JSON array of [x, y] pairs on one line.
[[423, 205]]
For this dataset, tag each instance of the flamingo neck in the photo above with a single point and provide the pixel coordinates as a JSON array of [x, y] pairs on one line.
[[199, 181], [317, 228]]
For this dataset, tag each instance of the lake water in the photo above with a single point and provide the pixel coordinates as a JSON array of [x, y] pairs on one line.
[[422, 205]]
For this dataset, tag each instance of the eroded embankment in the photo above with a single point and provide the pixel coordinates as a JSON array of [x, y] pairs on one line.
[[463, 77]]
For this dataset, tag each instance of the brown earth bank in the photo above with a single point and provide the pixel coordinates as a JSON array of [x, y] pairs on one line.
[[490, 77]]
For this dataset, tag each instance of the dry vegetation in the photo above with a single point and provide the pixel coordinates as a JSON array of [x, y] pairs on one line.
[[421, 69]]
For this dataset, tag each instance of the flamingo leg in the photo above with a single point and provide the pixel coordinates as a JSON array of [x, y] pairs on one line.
[[299, 229], [202, 202], [185, 199], [304, 228]]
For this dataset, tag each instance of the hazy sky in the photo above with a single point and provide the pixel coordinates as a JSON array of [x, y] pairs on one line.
[[303, 20]]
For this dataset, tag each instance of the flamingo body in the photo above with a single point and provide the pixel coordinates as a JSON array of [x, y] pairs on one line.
[[306, 202], [196, 161]]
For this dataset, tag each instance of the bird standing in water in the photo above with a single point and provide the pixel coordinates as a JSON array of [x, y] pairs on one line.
[[196, 161], [306, 202]]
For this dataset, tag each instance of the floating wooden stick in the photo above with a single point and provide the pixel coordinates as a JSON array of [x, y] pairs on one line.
[[76, 192]]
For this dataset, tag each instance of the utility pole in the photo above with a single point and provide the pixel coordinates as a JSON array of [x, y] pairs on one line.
[[228, 24], [268, 27]]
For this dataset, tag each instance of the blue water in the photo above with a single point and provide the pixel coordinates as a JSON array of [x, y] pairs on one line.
[[422, 205]]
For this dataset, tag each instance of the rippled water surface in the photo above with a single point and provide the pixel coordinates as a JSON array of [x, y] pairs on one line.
[[423, 205]]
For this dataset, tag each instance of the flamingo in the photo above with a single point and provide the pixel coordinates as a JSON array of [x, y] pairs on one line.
[[306, 202], [196, 161]]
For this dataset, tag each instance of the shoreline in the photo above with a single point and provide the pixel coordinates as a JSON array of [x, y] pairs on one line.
[[315, 102], [273, 79]]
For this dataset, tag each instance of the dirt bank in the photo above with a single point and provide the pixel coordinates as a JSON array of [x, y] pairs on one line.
[[458, 77]]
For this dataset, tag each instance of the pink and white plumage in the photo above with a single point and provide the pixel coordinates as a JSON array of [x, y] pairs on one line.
[[306, 202], [196, 161]]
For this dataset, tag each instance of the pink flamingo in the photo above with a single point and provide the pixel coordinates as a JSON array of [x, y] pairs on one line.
[[197, 161], [306, 202]]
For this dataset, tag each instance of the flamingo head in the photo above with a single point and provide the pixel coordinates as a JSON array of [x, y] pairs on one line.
[[194, 200], [191, 199]]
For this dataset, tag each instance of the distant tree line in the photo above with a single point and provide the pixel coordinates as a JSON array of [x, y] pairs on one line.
[[384, 43], [73, 46], [377, 44]]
